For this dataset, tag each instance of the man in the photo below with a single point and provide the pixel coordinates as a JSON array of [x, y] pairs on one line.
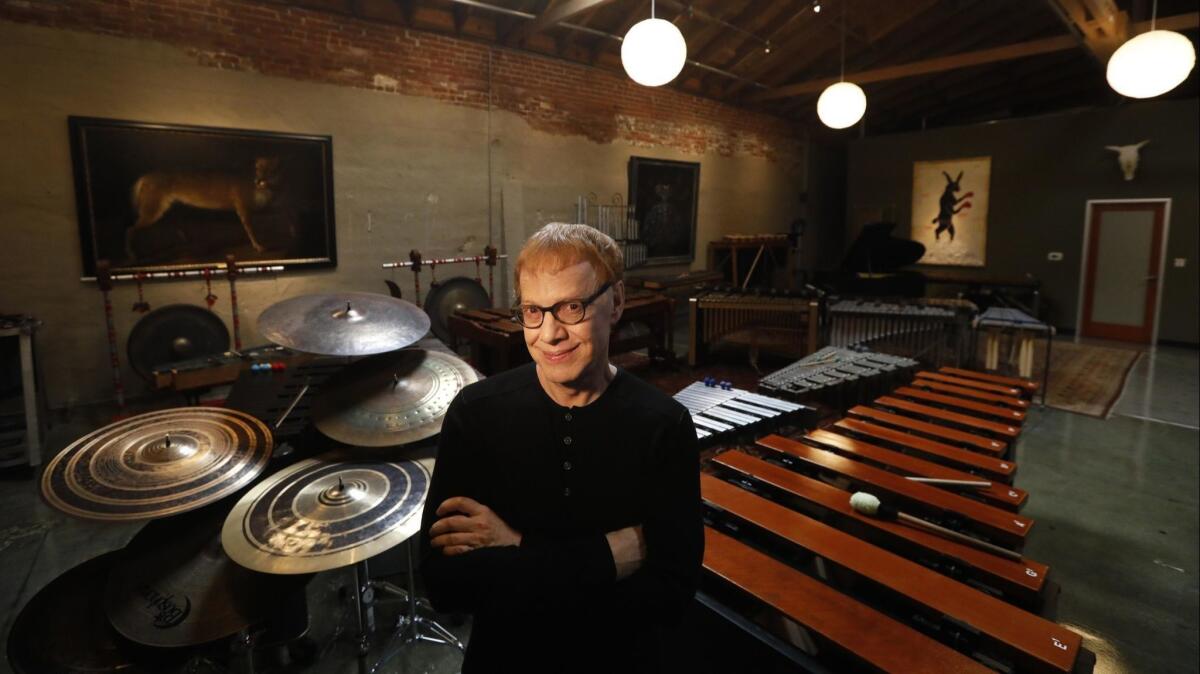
[[564, 511]]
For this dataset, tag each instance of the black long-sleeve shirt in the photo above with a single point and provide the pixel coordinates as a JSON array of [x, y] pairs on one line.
[[564, 477]]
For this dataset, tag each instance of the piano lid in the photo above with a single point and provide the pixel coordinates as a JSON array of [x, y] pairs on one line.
[[877, 251]]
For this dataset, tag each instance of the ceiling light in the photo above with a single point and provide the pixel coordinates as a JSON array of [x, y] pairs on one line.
[[841, 105], [1151, 64], [817, 6], [653, 51]]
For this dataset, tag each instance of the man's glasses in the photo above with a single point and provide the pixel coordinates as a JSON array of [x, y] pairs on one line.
[[567, 312]]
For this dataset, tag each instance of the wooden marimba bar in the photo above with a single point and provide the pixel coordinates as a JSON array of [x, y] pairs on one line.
[[941, 588]]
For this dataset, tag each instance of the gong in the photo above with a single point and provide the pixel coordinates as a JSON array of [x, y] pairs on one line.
[[172, 333], [391, 399], [446, 297], [157, 464], [325, 513]]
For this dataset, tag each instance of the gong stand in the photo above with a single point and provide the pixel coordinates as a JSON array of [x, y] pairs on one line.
[[415, 262], [411, 625]]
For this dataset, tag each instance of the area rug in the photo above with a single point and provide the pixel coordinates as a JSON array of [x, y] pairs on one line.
[[1084, 378]]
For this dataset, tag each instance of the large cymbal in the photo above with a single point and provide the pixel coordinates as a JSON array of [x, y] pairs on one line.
[[175, 586], [158, 464], [344, 324], [62, 630], [325, 513], [391, 399]]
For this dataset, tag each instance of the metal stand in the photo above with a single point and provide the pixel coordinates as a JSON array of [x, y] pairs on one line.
[[411, 626]]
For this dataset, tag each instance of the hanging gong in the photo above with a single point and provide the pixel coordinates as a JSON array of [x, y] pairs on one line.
[[325, 513], [173, 333], [157, 464], [391, 399], [456, 294]]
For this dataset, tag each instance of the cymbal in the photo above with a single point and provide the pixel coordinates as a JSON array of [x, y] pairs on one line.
[[62, 630], [174, 586], [157, 464], [327, 512], [391, 399], [344, 324]]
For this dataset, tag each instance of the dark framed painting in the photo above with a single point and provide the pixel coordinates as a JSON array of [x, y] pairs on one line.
[[664, 194], [154, 197]]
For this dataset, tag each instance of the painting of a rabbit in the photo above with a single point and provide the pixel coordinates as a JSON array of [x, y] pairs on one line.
[[949, 210]]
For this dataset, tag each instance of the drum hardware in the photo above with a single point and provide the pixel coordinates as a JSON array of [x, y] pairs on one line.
[[295, 401], [343, 324], [157, 464], [390, 399], [415, 261], [104, 282]]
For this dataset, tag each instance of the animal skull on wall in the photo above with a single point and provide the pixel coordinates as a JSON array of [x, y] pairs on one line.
[[1127, 157]]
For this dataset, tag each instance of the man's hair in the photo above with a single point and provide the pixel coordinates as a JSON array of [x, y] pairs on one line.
[[559, 245]]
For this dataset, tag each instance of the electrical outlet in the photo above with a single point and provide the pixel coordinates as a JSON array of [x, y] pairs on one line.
[[1180, 262], [1054, 256]]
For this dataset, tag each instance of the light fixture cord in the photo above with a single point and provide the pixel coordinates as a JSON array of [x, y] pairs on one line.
[[651, 9], [1153, 13], [843, 74]]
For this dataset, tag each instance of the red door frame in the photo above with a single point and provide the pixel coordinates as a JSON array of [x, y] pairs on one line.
[[1126, 333]]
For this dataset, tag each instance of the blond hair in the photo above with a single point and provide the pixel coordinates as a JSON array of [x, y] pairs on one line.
[[559, 245]]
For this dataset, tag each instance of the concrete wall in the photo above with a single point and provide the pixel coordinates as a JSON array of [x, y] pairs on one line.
[[1044, 170], [409, 171]]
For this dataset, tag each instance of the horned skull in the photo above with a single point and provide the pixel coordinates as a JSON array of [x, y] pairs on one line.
[[1127, 157]]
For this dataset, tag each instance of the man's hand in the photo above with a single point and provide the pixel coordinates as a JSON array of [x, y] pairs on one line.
[[474, 526], [628, 548]]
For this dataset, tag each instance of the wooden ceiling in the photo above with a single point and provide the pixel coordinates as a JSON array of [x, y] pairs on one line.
[[922, 63]]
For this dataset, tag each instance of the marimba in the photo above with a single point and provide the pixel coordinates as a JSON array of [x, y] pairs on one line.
[[779, 323], [948, 592]]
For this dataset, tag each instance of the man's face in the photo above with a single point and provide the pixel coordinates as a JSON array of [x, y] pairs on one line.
[[567, 354]]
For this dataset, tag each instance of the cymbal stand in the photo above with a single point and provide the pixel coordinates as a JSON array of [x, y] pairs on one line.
[[411, 625]]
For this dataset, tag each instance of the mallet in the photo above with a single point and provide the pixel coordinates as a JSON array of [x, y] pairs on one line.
[[870, 505]]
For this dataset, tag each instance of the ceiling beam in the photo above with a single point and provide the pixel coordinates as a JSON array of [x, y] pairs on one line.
[[1099, 25], [981, 57], [554, 14]]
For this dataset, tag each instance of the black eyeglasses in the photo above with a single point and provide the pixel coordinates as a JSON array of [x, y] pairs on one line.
[[567, 312]]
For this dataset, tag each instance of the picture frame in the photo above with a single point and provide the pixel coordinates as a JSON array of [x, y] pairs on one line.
[[166, 197], [950, 210], [665, 196]]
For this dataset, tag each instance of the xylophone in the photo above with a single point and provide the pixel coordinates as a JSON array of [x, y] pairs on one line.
[[720, 411], [781, 323], [838, 377], [866, 545], [933, 331]]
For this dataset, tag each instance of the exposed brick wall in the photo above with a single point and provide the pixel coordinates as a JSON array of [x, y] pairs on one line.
[[553, 96]]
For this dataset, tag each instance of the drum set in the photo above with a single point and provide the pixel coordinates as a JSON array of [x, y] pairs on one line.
[[218, 575]]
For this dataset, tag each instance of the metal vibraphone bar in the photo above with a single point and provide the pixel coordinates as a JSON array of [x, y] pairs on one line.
[[720, 411], [935, 332], [839, 377], [784, 323]]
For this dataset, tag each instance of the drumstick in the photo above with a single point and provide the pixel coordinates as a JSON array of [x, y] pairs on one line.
[[291, 407], [974, 484], [870, 505]]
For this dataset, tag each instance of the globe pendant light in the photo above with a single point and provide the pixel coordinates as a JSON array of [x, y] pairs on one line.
[[842, 104], [653, 51], [1151, 64]]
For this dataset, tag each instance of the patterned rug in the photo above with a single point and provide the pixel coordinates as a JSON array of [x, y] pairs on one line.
[[1084, 378]]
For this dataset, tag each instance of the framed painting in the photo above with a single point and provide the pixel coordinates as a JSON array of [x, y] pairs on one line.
[[664, 195], [154, 197], [949, 210]]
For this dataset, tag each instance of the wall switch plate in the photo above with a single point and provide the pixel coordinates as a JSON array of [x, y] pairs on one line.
[[1181, 262], [1054, 256]]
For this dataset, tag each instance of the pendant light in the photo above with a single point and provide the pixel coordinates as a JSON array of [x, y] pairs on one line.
[[1152, 63], [842, 104], [653, 51]]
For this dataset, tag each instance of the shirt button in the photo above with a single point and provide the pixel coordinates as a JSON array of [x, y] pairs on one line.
[[566, 465], [567, 416], [566, 491], [567, 440]]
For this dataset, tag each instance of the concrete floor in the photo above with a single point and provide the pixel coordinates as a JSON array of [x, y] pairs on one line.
[[1115, 502]]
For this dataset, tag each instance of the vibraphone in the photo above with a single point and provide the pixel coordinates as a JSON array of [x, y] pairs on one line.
[[838, 377], [935, 332], [923, 574], [721, 412], [779, 323]]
